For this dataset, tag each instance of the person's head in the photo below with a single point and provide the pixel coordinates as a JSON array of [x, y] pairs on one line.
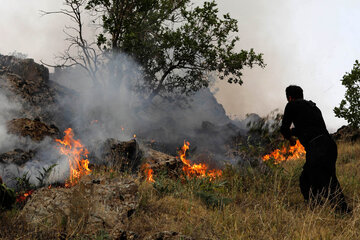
[[294, 92]]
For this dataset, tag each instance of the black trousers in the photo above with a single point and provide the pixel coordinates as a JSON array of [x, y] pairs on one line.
[[318, 179]]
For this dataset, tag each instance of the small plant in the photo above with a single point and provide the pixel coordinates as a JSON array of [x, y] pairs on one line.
[[23, 183], [44, 174]]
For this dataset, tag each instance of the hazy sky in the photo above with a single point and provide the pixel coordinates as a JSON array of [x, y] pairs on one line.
[[311, 43]]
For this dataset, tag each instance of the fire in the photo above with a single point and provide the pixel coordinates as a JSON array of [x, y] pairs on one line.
[[77, 156], [284, 154], [24, 197], [148, 172], [199, 170]]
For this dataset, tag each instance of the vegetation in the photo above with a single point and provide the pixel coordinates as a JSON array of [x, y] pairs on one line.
[[178, 46], [246, 203], [349, 108]]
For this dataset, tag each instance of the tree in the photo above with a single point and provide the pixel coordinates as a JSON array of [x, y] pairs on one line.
[[80, 52], [349, 108], [177, 45]]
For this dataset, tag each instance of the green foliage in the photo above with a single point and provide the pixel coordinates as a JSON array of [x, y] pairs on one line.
[[44, 174], [210, 192], [23, 183], [177, 45], [7, 197], [349, 108]]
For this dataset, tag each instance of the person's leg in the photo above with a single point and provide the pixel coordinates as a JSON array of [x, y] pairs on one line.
[[326, 182], [304, 183]]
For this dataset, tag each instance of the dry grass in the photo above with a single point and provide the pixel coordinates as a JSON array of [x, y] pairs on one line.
[[245, 204], [264, 205]]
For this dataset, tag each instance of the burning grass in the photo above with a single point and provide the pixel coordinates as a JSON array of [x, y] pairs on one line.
[[246, 203], [77, 156], [250, 203]]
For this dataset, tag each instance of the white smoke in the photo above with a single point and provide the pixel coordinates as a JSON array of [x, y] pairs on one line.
[[45, 152], [116, 110]]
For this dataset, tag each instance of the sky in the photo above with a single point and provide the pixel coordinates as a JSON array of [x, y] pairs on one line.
[[310, 43]]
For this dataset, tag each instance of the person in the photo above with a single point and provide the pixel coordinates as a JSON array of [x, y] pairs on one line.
[[318, 179]]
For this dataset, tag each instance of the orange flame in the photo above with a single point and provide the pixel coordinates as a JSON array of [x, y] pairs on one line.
[[284, 154], [77, 156], [24, 197], [199, 170], [148, 172]]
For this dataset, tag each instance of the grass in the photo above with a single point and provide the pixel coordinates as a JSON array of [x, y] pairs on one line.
[[262, 204], [246, 203]]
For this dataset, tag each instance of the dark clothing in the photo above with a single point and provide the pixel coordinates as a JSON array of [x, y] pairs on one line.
[[307, 120], [318, 178]]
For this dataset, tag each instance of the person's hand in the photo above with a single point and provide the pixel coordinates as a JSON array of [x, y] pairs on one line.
[[292, 141]]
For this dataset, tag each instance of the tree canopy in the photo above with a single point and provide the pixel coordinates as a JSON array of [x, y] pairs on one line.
[[349, 108], [177, 45]]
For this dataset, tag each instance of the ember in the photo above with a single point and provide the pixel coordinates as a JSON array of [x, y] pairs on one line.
[[24, 197], [77, 157], [198, 170], [286, 154]]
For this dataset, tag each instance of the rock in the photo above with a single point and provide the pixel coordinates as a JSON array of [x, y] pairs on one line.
[[124, 156], [347, 134], [17, 156], [86, 207], [25, 68], [27, 83], [27, 80], [35, 129], [167, 235], [161, 162]]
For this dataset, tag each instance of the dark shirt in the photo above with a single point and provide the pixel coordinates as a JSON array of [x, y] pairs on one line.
[[307, 119]]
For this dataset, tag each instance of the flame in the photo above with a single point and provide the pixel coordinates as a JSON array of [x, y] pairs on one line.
[[24, 197], [148, 172], [284, 154], [77, 156], [199, 170]]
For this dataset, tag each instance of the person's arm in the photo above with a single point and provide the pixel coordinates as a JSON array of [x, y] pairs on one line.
[[286, 124]]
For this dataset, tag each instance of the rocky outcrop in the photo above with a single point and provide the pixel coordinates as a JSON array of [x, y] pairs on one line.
[[123, 156], [27, 83], [347, 134], [94, 204], [161, 162], [17, 156], [35, 129]]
